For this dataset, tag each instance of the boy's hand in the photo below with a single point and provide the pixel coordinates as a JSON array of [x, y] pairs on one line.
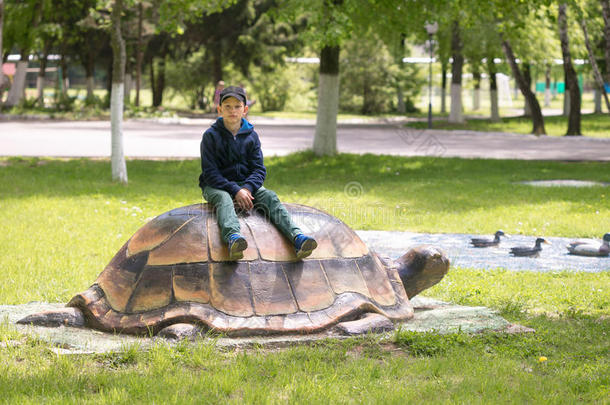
[[244, 199]]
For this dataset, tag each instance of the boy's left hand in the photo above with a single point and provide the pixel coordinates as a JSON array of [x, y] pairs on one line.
[[244, 199]]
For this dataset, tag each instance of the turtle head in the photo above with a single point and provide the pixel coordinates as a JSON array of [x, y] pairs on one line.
[[422, 267]]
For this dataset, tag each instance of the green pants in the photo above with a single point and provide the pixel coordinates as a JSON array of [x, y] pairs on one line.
[[265, 201]]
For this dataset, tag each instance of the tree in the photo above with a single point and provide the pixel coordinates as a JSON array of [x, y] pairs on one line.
[[570, 74], [170, 19], [119, 168], [455, 113], [372, 78], [524, 86], [481, 48], [23, 18], [1, 49], [606, 15], [516, 24], [329, 24], [599, 80]]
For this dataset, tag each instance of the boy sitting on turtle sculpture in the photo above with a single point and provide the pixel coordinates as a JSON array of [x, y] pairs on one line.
[[232, 174]]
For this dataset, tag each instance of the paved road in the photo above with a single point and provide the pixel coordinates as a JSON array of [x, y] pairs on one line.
[[180, 139]]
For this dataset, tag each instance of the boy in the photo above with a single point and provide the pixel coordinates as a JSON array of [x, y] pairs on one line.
[[232, 174]]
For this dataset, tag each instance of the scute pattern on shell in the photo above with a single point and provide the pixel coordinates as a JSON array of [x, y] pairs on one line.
[[174, 269]]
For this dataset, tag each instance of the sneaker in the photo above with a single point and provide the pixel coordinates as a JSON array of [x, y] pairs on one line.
[[304, 245], [237, 244]]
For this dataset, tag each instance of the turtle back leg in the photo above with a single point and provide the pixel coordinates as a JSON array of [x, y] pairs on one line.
[[370, 322]]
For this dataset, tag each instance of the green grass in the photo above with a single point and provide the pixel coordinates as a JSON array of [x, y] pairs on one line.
[[67, 218], [63, 220], [593, 125], [457, 368], [517, 292]]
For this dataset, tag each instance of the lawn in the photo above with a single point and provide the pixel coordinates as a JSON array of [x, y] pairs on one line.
[[593, 125], [63, 220]]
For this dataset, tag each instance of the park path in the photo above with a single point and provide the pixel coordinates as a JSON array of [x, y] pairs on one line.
[[179, 138]]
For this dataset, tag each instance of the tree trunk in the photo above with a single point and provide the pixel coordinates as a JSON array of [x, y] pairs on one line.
[[153, 88], [40, 79], [325, 140], [571, 78], [476, 92], [493, 90], [444, 89], [64, 74], [400, 108], [119, 169], [537, 118], [159, 83], [1, 52], [606, 15], [17, 91], [128, 85], [366, 97], [139, 54], [109, 78], [600, 90], [566, 98], [90, 72], [547, 86], [597, 101], [217, 61], [527, 75], [455, 115]]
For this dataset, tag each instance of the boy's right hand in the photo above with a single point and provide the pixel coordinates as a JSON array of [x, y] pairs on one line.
[[244, 199]]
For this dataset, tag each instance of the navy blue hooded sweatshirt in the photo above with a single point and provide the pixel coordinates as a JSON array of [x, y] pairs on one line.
[[227, 160]]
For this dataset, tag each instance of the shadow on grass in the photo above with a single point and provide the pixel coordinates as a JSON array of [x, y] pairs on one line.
[[434, 184]]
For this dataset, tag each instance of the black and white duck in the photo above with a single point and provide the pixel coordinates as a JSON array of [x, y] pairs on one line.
[[487, 242], [590, 247], [529, 251]]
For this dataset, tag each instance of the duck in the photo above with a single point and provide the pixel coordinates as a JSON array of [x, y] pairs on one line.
[[486, 242], [529, 251], [590, 247]]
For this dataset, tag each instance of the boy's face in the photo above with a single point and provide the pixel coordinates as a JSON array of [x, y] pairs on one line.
[[232, 110]]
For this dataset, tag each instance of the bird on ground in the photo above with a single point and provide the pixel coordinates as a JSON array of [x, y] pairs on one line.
[[529, 251], [486, 242], [590, 247]]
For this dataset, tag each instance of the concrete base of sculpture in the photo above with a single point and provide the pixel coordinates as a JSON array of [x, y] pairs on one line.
[[430, 316]]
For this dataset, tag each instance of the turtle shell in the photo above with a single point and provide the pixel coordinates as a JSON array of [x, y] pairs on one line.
[[175, 269]]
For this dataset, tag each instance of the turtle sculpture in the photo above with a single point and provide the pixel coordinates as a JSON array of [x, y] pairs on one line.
[[175, 270]]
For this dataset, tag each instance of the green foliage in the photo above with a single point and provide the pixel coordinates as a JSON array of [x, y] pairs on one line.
[[329, 23], [371, 77], [191, 77], [271, 89], [64, 102]]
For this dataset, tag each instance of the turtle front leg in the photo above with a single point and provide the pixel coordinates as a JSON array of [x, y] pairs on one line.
[[55, 318], [369, 323]]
